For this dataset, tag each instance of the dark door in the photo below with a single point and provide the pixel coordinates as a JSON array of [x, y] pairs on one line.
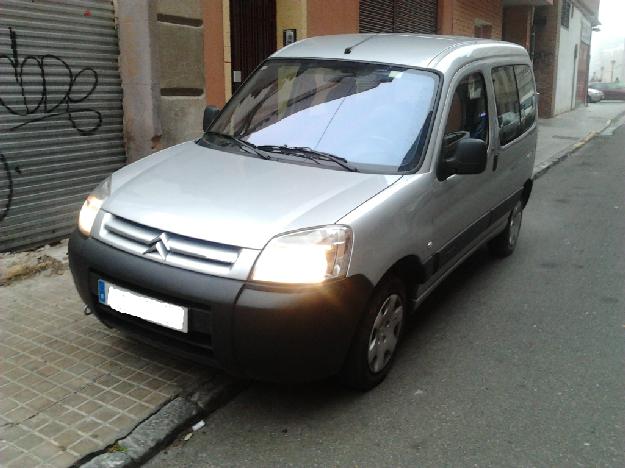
[[252, 36], [411, 16]]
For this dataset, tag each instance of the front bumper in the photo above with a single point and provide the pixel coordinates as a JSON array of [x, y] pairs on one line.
[[270, 333]]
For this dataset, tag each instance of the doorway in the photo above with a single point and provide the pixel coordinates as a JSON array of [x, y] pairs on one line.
[[252, 36]]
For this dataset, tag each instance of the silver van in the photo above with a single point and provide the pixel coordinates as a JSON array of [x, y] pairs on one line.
[[341, 183]]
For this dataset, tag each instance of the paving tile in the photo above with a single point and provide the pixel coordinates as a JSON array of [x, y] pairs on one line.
[[29, 441], [84, 446], [51, 429], [69, 382], [105, 434], [66, 438], [8, 404], [63, 460], [37, 421], [105, 414], [90, 407], [69, 418], [140, 410], [87, 425], [25, 460], [9, 453], [46, 451], [39, 403], [124, 420], [139, 393], [122, 403], [19, 414]]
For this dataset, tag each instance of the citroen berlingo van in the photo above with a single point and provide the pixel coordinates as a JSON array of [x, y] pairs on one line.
[[334, 191]]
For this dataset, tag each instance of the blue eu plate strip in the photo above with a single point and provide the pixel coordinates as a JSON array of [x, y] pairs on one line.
[[102, 291]]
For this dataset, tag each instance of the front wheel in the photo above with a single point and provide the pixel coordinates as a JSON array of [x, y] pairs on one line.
[[373, 350], [505, 242]]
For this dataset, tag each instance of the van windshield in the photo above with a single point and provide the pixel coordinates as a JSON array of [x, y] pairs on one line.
[[374, 116]]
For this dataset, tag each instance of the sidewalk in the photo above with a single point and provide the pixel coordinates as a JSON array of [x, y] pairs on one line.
[[560, 134], [70, 387]]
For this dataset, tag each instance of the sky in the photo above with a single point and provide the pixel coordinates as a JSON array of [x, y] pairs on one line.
[[610, 37], [612, 17]]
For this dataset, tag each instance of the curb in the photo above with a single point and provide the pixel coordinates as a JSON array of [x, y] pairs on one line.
[[165, 424], [543, 167]]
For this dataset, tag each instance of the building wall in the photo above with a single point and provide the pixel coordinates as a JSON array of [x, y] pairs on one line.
[[180, 42], [517, 25], [547, 27], [566, 79], [332, 17], [214, 61], [291, 14], [469, 13]]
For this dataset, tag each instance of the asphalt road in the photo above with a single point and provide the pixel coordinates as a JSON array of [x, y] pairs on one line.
[[515, 362]]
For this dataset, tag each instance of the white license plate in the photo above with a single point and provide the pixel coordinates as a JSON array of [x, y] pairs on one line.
[[144, 307]]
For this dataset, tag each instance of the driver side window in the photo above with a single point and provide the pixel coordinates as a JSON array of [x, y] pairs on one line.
[[468, 114]]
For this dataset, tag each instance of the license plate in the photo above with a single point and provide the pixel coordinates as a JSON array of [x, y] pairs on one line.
[[144, 307]]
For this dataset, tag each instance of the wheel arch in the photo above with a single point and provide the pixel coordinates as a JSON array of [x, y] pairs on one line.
[[411, 270], [527, 191]]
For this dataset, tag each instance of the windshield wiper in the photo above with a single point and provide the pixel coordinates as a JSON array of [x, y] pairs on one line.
[[308, 153], [249, 147]]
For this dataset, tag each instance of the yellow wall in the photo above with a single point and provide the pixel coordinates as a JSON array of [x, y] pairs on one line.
[[227, 49], [290, 14]]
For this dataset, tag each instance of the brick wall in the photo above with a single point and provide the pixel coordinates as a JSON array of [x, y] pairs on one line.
[[467, 12], [547, 23], [517, 25]]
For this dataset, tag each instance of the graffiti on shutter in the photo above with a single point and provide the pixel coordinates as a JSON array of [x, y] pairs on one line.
[[61, 128]]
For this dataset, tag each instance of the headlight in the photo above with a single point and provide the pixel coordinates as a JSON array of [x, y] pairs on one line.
[[310, 256], [92, 205]]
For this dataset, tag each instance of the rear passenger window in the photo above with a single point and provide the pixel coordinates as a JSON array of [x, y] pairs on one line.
[[507, 100], [525, 84], [468, 115]]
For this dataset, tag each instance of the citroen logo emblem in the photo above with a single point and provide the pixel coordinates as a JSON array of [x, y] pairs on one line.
[[160, 245]]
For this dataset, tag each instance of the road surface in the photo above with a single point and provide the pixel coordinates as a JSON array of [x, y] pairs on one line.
[[515, 362]]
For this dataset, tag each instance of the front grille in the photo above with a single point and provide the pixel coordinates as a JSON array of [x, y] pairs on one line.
[[168, 248]]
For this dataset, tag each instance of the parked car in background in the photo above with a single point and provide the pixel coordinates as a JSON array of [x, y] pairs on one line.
[[344, 180], [614, 91], [594, 95]]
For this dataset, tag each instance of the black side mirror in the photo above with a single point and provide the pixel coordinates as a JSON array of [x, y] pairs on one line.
[[467, 156], [210, 113]]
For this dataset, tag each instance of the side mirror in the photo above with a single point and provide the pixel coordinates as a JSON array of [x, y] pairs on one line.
[[467, 156], [210, 113]]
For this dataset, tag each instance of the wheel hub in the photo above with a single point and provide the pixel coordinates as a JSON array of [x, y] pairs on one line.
[[385, 333]]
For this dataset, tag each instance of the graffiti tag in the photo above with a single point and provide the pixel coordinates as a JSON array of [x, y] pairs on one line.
[[45, 105]]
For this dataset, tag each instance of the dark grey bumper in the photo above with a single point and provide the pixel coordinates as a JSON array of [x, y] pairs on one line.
[[269, 333]]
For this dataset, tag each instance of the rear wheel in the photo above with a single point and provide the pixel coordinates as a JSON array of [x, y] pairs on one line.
[[373, 350], [505, 242]]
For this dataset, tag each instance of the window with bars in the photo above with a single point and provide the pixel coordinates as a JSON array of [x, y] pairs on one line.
[[565, 19]]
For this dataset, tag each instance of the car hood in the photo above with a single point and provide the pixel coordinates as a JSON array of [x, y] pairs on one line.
[[235, 199]]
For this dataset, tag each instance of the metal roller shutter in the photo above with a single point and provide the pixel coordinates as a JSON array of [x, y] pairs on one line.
[[412, 16], [60, 114], [377, 16], [416, 16]]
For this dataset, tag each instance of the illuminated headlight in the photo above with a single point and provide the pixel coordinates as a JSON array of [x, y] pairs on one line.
[[92, 205], [305, 257]]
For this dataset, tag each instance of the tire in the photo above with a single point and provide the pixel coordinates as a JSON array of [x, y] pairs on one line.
[[374, 347], [504, 244]]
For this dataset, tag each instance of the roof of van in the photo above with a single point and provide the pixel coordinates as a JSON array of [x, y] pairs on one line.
[[415, 50]]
